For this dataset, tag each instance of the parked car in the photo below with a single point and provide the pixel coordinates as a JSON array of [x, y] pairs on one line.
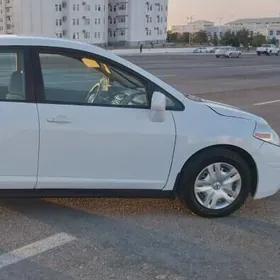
[[268, 49], [228, 52], [77, 120]]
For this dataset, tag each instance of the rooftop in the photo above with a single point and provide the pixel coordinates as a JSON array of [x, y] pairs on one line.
[[255, 20]]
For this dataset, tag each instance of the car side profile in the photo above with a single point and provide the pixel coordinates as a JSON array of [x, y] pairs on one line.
[[228, 52], [77, 120]]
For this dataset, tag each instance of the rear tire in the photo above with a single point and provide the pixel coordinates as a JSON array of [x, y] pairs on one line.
[[258, 53], [187, 190], [217, 56]]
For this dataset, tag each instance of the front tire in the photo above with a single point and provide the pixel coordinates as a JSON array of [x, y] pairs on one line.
[[209, 196]]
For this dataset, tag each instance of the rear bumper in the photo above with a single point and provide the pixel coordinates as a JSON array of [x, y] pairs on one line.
[[268, 165]]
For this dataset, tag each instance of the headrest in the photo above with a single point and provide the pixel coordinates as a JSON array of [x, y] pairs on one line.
[[16, 83]]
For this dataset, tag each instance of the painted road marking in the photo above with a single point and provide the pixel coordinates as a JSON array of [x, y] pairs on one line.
[[34, 249], [267, 102]]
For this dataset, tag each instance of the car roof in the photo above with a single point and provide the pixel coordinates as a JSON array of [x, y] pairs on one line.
[[21, 40]]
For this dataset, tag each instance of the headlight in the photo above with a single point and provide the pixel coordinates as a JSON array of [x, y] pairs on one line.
[[265, 133]]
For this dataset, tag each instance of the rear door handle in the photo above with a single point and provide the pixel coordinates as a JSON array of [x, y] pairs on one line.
[[58, 119]]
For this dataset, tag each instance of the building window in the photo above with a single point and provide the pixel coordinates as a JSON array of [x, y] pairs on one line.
[[56, 8], [115, 8], [99, 8], [98, 34], [122, 7], [60, 22], [95, 21], [99, 21], [78, 7], [95, 7], [78, 21], [74, 21], [74, 7], [56, 22], [278, 32], [271, 32], [59, 8]]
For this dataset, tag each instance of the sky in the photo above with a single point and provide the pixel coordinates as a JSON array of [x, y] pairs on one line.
[[212, 10]]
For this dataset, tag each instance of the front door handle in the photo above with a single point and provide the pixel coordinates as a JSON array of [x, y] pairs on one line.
[[59, 119]]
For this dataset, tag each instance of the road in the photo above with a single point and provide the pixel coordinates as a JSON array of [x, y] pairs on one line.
[[148, 238]]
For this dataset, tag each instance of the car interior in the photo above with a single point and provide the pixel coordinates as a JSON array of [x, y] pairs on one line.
[[113, 88]]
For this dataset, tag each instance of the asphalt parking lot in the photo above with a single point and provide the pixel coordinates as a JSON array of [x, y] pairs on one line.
[[59, 239]]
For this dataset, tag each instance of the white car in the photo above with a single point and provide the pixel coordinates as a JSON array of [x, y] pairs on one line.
[[228, 52], [268, 49], [77, 120]]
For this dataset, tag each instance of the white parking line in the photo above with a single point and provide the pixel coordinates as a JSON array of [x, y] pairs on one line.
[[34, 249], [267, 102]]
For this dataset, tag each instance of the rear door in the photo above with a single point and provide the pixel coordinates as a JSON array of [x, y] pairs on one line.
[[19, 126]]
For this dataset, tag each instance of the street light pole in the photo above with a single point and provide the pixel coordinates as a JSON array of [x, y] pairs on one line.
[[219, 29], [190, 18]]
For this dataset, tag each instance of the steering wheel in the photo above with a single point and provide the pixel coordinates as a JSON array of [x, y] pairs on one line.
[[93, 93]]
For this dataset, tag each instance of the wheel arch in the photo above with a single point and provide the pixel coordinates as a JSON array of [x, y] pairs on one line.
[[241, 152]]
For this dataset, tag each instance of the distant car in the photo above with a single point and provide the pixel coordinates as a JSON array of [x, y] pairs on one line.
[[268, 49], [200, 50], [77, 120], [212, 49], [228, 52]]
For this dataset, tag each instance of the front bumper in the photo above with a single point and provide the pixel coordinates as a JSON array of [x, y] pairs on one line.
[[267, 160]]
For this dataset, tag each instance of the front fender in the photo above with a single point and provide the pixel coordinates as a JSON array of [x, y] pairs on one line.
[[199, 127]]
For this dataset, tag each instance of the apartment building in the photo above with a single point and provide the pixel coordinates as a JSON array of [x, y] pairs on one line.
[[6, 23], [132, 22], [83, 20], [255, 25]]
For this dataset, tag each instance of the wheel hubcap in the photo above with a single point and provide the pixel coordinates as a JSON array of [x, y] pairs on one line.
[[217, 186]]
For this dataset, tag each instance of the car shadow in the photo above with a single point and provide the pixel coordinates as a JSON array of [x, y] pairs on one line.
[[134, 244]]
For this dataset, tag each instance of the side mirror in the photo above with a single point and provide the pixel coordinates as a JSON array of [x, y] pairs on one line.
[[158, 107]]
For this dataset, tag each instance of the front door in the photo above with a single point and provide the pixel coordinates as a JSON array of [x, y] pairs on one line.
[[95, 127], [19, 125]]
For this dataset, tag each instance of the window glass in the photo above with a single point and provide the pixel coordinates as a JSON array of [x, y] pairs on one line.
[[83, 80], [12, 86]]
